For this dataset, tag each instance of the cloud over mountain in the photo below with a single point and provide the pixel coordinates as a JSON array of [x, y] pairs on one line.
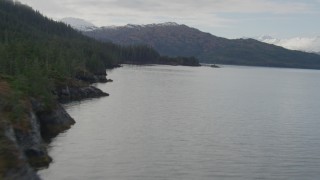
[[227, 18], [309, 44], [79, 24]]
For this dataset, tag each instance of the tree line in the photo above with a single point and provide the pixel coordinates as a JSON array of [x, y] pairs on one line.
[[35, 51]]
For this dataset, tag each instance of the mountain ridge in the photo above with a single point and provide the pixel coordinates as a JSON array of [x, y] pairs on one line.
[[154, 33], [182, 40], [305, 44]]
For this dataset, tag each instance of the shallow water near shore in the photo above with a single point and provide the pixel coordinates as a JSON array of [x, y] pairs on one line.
[[174, 122]]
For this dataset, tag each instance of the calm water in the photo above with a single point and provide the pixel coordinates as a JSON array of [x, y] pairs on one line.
[[194, 123]]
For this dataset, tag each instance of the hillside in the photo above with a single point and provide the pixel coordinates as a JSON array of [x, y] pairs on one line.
[[40, 59], [180, 40], [43, 63]]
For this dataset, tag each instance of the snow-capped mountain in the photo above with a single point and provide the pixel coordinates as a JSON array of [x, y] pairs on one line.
[[308, 44], [79, 24], [137, 26], [172, 39]]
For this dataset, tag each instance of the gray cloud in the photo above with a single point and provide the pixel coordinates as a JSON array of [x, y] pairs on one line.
[[309, 44], [213, 6], [198, 13]]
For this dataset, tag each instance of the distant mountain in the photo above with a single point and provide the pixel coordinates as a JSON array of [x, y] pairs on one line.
[[172, 39], [307, 44], [140, 54], [169, 38], [79, 24]]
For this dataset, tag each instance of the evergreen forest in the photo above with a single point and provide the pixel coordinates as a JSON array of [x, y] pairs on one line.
[[37, 52]]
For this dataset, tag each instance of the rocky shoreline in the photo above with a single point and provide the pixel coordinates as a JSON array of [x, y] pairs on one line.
[[27, 145]]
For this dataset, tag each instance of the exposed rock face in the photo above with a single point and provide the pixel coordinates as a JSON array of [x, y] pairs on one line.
[[214, 66], [23, 173], [54, 121], [23, 141], [31, 143], [17, 136], [20, 169], [67, 93]]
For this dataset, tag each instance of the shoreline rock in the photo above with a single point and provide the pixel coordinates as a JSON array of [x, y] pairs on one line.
[[98, 77], [20, 168], [27, 141], [54, 121], [214, 66], [68, 94], [32, 144]]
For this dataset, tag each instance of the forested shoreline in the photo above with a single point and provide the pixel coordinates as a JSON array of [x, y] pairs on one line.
[[44, 62], [38, 51]]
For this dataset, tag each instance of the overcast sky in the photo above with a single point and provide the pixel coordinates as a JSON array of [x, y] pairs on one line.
[[226, 18]]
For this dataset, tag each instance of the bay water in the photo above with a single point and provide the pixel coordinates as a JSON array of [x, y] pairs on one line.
[[194, 123]]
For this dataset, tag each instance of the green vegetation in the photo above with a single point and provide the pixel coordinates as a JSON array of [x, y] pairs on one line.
[[37, 57], [35, 50], [143, 54], [9, 154], [37, 53]]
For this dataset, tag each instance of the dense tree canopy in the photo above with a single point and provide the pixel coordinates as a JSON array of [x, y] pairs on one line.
[[35, 50]]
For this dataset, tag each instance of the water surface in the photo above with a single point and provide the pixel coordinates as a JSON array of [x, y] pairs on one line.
[[173, 122]]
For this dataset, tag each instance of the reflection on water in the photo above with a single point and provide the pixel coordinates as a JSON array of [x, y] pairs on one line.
[[172, 122]]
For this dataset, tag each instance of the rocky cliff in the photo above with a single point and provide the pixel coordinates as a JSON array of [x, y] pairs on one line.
[[24, 133]]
